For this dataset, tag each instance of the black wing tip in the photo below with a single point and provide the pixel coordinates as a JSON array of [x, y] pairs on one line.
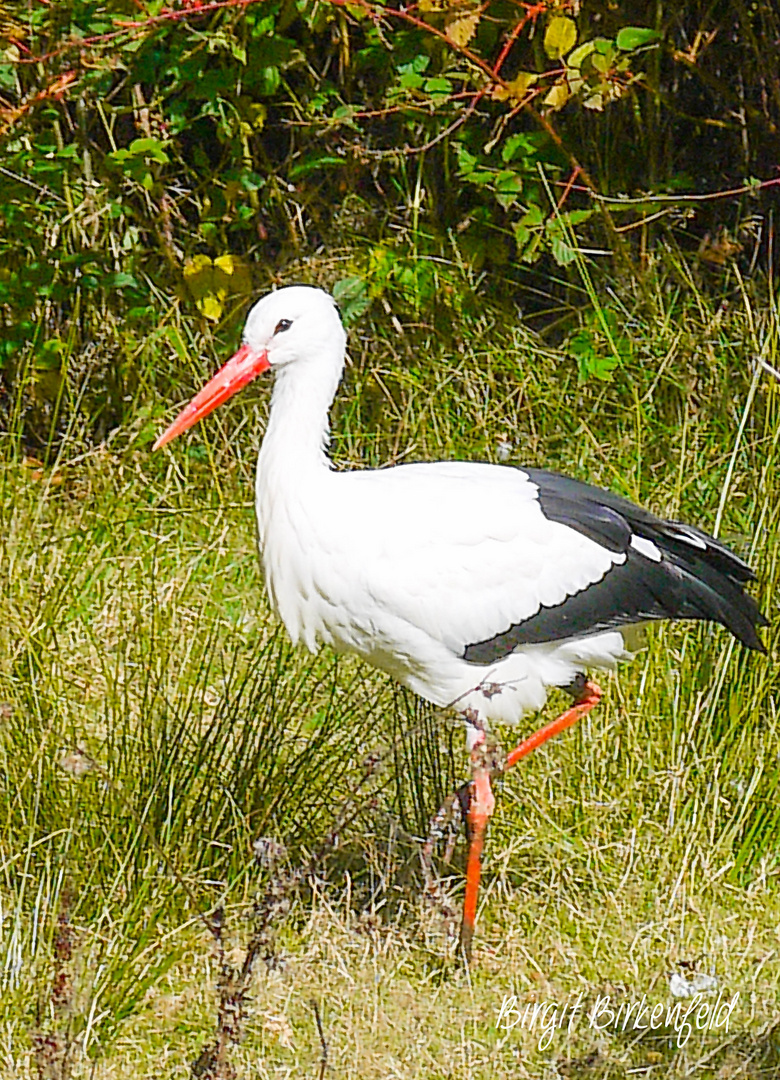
[[755, 644], [752, 640]]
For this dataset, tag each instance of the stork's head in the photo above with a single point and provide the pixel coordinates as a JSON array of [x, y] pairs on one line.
[[296, 324]]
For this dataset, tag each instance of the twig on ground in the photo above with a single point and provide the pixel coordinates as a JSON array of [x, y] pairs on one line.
[[53, 1049], [323, 1041]]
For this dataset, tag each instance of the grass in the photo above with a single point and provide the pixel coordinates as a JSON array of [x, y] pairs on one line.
[[156, 724]]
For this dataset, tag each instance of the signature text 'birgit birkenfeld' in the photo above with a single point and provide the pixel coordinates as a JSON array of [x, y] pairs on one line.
[[608, 1016]]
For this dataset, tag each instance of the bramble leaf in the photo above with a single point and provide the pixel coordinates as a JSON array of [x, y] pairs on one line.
[[517, 88], [558, 94], [461, 30], [634, 37], [560, 37]]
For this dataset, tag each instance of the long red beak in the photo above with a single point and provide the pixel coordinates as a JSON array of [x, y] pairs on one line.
[[237, 372]]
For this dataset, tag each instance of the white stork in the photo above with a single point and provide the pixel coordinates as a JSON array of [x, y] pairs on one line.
[[478, 586]]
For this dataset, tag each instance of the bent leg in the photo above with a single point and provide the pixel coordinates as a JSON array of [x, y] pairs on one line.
[[587, 695], [485, 764]]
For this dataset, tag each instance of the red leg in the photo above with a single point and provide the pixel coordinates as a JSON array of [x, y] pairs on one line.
[[481, 806], [591, 696], [482, 803]]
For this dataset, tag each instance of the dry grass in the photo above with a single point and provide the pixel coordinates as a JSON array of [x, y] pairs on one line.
[[392, 1005]]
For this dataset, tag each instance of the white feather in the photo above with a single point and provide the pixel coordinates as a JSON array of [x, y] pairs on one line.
[[646, 547]]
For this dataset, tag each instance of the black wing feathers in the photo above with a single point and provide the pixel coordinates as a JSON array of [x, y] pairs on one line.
[[697, 576]]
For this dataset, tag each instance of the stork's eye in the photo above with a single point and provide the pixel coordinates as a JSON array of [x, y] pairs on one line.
[[282, 325]]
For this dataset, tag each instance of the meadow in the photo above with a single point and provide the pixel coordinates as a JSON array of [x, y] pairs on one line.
[[209, 841]]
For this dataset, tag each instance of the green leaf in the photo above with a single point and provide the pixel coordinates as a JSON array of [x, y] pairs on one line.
[[352, 296], [602, 366], [152, 148], [121, 280], [558, 94], [605, 46], [517, 88], [320, 161], [411, 80], [508, 188], [591, 362], [343, 112], [634, 37], [576, 217], [518, 146], [528, 233], [7, 77], [466, 161], [211, 282], [438, 86], [49, 356], [581, 345], [533, 216], [560, 37], [562, 252], [411, 74], [580, 54], [268, 81], [419, 64], [601, 62]]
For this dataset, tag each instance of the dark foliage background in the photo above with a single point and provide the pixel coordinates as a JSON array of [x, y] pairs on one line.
[[165, 160]]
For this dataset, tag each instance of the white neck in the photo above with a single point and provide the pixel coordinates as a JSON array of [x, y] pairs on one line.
[[294, 475], [292, 468], [298, 432]]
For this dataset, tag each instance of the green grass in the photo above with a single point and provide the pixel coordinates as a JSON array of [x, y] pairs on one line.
[[156, 723]]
